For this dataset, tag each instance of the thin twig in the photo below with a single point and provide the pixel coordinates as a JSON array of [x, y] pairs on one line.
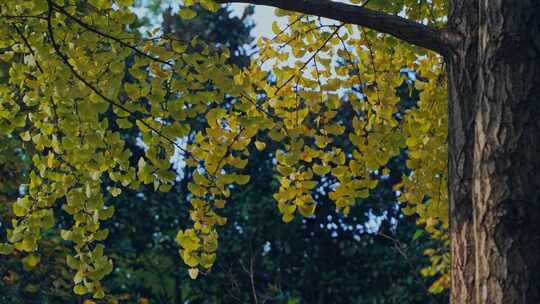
[[253, 290], [286, 28], [20, 33], [22, 17], [355, 66], [309, 60], [115, 39], [375, 72], [402, 250]]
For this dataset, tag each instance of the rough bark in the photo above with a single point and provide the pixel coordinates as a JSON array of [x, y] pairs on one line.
[[494, 139], [463, 80], [507, 154]]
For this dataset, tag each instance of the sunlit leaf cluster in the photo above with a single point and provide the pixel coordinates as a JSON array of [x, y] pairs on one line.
[[73, 62]]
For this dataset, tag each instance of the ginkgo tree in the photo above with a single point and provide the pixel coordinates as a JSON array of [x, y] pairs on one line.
[[472, 140]]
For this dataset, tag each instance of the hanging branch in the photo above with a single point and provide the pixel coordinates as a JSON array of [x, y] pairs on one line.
[[65, 60]]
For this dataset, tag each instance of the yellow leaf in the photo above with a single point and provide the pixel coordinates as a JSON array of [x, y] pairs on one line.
[[287, 217], [219, 204], [31, 261], [115, 191], [25, 136], [275, 28], [79, 289], [321, 170], [193, 273], [307, 209], [260, 145], [242, 179], [187, 13], [50, 160]]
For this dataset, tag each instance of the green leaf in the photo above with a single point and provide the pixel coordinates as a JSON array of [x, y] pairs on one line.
[[72, 262], [417, 234], [187, 13], [6, 249], [31, 261], [79, 290]]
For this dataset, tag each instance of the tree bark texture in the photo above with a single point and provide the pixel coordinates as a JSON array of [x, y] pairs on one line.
[[494, 147], [463, 79]]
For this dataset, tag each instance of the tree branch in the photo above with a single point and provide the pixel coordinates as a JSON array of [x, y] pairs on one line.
[[64, 58], [438, 40]]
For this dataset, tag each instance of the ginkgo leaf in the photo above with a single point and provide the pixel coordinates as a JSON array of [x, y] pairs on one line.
[[260, 145], [31, 261], [193, 273], [242, 179], [6, 249], [79, 289], [312, 110], [115, 191], [187, 13]]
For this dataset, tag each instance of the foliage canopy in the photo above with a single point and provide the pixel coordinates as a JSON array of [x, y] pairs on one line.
[[66, 95]]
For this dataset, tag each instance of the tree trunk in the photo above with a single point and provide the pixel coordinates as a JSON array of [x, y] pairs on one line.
[[494, 147]]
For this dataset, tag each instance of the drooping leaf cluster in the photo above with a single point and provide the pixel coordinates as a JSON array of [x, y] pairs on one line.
[[66, 96], [256, 255]]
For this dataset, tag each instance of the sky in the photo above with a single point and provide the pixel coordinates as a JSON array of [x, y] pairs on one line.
[[264, 16]]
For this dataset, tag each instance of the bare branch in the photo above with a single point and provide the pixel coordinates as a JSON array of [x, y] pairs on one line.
[[437, 40]]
